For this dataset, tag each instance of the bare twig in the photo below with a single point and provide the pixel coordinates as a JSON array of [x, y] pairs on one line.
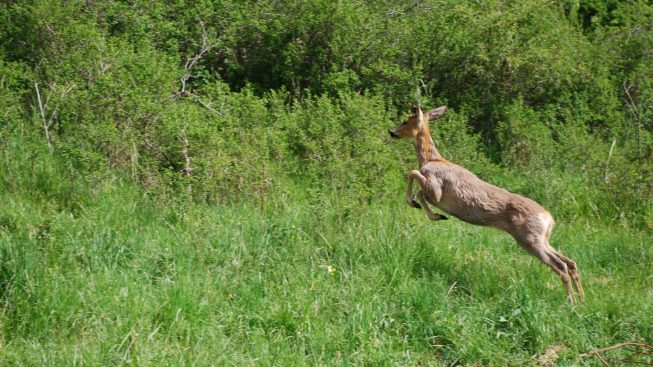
[[184, 91], [46, 126], [407, 9], [64, 91], [188, 67], [616, 346], [607, 162], [134, 162], [638, 352], [187, 170], [634, 111], [47, 122], [626, 361], [205, 104], [51, 87], [425, 88], [603, 361], [453, 286], [597, 353]]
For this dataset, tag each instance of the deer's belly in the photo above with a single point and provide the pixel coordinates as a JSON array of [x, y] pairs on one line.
[[469, 212]]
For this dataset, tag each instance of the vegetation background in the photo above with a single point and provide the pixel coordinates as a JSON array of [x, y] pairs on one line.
[[210, 183]]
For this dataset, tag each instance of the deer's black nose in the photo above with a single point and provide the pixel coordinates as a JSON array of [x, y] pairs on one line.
[[393, 135]]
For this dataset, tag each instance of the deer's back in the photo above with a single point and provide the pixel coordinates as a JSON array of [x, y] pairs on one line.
[[475, 201]]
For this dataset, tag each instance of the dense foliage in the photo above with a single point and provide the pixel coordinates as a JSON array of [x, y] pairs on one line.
[[226, 100]]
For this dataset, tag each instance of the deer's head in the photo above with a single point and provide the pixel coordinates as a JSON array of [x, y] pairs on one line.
[[417, 121]]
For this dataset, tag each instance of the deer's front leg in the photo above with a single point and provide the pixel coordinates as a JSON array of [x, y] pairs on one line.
[[421, 196], [412, 176]]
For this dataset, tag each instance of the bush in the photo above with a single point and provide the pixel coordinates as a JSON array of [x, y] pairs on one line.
[[279, 94]]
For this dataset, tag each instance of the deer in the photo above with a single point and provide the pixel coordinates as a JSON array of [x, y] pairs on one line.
[[460, 193]]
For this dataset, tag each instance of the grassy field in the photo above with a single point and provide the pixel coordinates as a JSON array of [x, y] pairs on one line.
[[115, 279]]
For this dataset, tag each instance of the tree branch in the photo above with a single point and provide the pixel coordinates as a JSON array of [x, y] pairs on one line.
[[46, 126], [187, 170], [190, 62], [607, 162], [634, 111]]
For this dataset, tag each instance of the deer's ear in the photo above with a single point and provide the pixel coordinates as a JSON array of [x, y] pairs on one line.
[[436, 113], [413, 108]]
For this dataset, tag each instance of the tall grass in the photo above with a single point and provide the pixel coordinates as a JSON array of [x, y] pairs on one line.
[[108, 276]]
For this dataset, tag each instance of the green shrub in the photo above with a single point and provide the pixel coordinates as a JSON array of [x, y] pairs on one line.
[[280, 96]]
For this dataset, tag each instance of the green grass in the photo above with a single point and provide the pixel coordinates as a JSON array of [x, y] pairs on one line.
[[120, 280]]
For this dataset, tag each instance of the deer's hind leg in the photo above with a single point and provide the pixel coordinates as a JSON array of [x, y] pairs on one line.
[[534, 238], [571, 265], [538, 246], [545, 253], [573, 272]]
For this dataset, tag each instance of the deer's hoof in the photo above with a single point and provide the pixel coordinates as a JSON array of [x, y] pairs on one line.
[[415, 204]]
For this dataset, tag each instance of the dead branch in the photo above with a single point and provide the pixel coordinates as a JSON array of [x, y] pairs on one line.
[[205, 104], [607, 162], [188, 69], [603, 361], [616, 346], [187, 170], [425, 88], [64, 91], [134, 162], [190, 62], [597, 353], [408, 8], [638, 352], [47, 122], [630, 362], [46, 127], [634, 111]]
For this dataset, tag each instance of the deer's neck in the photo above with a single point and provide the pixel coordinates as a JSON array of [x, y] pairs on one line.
[[425, 148]]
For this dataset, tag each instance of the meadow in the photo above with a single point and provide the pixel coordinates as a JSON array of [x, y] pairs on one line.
[[212, 183], [115, 279]]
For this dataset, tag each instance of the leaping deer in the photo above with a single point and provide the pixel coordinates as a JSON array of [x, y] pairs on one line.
[[458, 192]]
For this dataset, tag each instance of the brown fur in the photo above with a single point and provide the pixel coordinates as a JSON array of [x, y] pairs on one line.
[[458, 192]]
